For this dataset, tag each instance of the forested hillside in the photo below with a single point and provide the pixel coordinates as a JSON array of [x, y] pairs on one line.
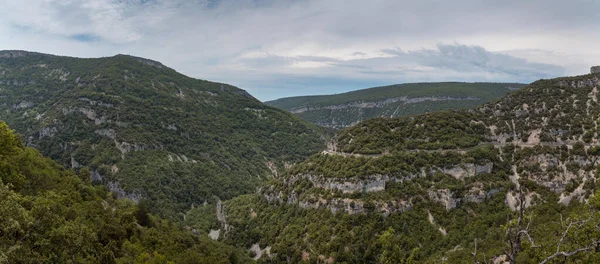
[[53, 215], [346, 109], [513, 180], [148, 132]]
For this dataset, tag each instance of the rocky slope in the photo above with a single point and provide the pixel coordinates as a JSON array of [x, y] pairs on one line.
[[146, 131], [458, 175], [346, 109], [546, 133]]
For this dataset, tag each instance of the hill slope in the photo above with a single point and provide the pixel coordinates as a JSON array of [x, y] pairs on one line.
[[526, 163], [147, 131], [52, 215], [347, 109]]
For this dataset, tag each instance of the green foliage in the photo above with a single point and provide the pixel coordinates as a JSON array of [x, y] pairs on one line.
[[51, 215], [174, 140], [311, 213], [439, 130], [367, 238]]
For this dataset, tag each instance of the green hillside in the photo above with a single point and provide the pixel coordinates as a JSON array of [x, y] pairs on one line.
[[52, 215], [146, 131], [513, 180], [346, 109]]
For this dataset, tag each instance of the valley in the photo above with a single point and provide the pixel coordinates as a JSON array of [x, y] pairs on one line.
[[145, 154]]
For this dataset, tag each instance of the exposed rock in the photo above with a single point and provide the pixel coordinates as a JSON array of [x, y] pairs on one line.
[[150, 62], [47, 132], [579, 192], [382, 103], [125, 147], [222, 218], [95, 176], [89, 113], [116, 188], [74, 163], [373, 183], [581, 83], [534, 137], [13, 53], [23, 104], [258, 252], [468, 170], [445, 197], [98, 103], [214, 234], [110, 133], [169, 126], [512, 201]]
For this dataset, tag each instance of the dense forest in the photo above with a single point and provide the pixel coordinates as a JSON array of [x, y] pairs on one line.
[[145, 130], [54, 215]]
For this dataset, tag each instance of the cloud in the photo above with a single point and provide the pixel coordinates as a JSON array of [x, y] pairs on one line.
[[257, 44], [85, 37]]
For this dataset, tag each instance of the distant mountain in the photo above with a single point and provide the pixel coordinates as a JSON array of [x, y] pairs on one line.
[[146, 131], [347, 109], [509, 181]]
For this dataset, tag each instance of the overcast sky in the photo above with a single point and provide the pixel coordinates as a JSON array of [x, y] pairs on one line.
[[278, 48]]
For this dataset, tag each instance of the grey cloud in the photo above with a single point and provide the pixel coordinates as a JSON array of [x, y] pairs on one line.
[[452, 61], [380, 41]]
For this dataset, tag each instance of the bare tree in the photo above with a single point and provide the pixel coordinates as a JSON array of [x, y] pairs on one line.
[[565, 254], [514, 235]]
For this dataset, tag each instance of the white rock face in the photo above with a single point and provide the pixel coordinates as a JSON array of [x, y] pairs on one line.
[[214, 234], [468, 170], [260, 252], [373, 183], [382, 103], [23, 104]]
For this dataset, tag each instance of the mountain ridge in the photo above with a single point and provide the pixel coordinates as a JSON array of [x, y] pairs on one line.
[[346, 109], [128, 118]]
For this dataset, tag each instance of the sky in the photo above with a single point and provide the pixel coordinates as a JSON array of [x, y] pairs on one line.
[[280, 48]]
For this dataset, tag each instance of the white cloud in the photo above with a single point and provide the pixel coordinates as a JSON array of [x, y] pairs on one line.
[[259, 44]]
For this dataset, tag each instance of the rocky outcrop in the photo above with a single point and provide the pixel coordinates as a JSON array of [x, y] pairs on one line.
[[115, 188], [377, 183], [468, 170], [222, 218], [214, 234], [445, 197], [450, 200], [110, 133], [125, 147], [595, 69], [98, 103], [258, 252], [382, 103], [47, 132], [373, 183], [23, 104], [580, 83], [13, 53]]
